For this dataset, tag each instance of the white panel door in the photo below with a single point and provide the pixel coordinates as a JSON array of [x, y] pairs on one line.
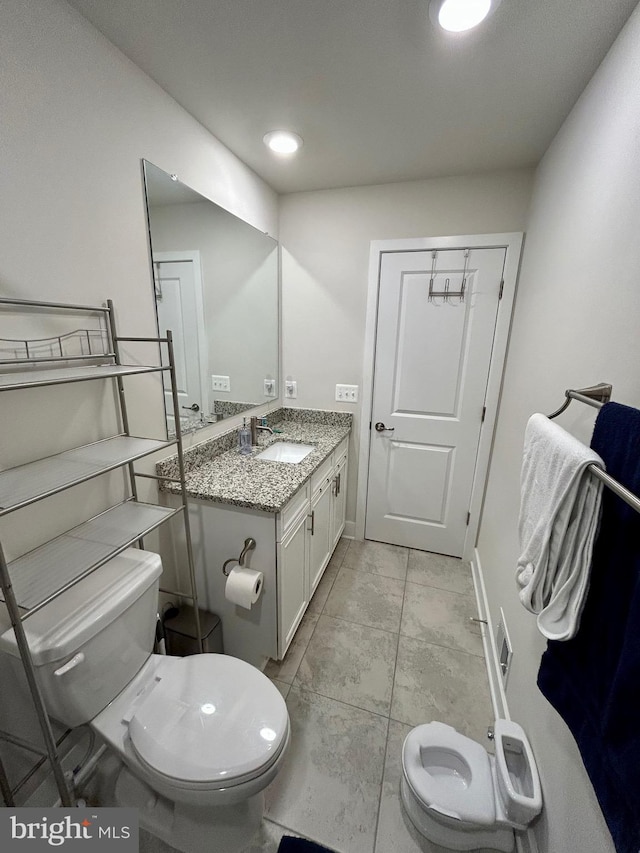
[[178, 310], [433, 355]]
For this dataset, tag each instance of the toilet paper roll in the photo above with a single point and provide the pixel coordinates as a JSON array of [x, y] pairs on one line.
[[243, 586]]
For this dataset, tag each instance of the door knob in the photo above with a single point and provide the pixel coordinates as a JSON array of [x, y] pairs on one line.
[[380, 427], [194, 407]]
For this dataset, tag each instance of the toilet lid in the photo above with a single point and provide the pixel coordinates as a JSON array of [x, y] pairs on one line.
[[213, 718], [450, 773]]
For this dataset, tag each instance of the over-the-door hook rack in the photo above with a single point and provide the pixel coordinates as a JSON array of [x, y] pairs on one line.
[[594, 395], [447, 293], [249, 545]]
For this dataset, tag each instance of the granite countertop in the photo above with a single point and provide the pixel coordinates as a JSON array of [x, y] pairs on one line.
[[218, 472]]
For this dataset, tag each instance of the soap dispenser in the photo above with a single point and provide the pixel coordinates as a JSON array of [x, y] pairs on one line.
[[244, 438]]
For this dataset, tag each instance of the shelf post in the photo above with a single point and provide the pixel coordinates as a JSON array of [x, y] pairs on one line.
[[5, 787], [115, 346], [25, 653]]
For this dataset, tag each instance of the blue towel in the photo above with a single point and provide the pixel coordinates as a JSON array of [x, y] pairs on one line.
[[289, 844], [593, 680]]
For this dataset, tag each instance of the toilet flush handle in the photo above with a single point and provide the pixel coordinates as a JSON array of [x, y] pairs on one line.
[[72, 664]]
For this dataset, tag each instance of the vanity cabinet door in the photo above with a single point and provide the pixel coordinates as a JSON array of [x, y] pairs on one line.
[[320, 543], [293, 588], [339, 501]]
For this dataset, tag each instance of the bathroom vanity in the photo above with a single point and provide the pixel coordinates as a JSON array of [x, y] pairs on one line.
[[295, 512]]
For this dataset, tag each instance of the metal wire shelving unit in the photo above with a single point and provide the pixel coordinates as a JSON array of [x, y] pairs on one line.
[[30, 582]]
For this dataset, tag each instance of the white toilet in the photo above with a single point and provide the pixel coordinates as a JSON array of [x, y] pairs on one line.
[[197, 738], [461, 797]]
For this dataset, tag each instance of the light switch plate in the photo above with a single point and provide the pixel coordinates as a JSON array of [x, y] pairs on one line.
[[347, 393], [290, 389], [270, 388], [220, 383]]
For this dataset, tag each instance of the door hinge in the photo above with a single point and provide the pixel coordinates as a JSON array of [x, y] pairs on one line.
[[484, 412], [501, 289], [468, 518]]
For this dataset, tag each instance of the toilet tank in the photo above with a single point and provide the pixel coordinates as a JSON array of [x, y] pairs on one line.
[[88, 643]]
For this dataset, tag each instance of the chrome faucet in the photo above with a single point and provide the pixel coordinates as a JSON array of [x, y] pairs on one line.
[[255, 426]]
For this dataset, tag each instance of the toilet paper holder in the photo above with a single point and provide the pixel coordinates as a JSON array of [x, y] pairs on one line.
[[249, 545]]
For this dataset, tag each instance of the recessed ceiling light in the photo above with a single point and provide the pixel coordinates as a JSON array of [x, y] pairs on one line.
[[282, 141], [456, 16]]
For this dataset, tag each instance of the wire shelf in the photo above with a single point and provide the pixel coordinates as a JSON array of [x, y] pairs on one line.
[[46, 572], [61, 375], [26, 484]]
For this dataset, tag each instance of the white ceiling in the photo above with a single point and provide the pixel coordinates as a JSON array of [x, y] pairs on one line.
[[377, 93]]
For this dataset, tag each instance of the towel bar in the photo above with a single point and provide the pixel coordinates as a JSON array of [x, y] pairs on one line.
[[594, 395], [597, 396]]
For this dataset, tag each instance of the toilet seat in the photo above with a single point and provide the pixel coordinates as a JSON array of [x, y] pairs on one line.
[[449, 774], [214, 722]]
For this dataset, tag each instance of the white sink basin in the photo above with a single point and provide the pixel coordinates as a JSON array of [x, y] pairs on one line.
[[285, 451]]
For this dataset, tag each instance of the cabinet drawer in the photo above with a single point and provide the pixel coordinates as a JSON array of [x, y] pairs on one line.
[[322, 475], [291, 511]]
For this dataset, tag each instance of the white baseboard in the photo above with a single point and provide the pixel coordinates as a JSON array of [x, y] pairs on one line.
[[349, 531], [496, 686], [525, 841]]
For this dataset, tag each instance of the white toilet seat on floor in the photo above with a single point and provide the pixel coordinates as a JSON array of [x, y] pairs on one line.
[[450, 774]]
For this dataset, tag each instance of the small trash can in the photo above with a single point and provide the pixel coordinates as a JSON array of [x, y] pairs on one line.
[[180, 632]]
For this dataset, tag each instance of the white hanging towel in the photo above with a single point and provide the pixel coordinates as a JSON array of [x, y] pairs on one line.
[[559, 515]]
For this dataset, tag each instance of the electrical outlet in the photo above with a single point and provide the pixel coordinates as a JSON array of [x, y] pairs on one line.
[[220, 383], [270, 388], [290, 389], [347, 393]]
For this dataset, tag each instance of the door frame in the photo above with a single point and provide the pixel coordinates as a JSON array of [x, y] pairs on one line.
[[512, 242], [193, 256]]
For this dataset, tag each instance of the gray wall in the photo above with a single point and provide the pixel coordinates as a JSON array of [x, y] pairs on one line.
[[77, 117], [576, 323], [325, 263]]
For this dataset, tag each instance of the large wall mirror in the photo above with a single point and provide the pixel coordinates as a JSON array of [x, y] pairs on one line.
[[215, 281]]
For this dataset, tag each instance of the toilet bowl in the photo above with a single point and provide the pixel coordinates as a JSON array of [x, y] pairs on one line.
[[461, 797], [197, 739]]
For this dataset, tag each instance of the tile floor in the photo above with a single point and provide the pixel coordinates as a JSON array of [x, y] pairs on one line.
[[386, 644]]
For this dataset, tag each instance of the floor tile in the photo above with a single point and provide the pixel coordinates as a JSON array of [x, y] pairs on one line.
[[395, 831], [282, 686], [442, 617], [286, 669], [367, 599], [378, 558], [437, 570], [351, 663], [268, 838], [436, 683], [341, 549], [148, 843], [329, 786], [319, 599]]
